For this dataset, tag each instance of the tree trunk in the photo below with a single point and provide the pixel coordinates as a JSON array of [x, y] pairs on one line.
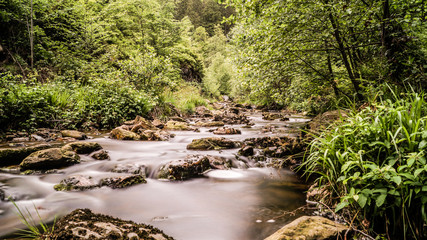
[[32, 36], [341, 48]]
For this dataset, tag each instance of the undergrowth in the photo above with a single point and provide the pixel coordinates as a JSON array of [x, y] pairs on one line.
[[374, 166]]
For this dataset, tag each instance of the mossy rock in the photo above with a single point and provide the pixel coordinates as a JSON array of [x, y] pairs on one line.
[[49, 159], [178, 125], [213, 143], [84, 224], [76, 183], [122, 182], [82, 147], [309, 228], [122, 134], [210, 124], [14, 156]]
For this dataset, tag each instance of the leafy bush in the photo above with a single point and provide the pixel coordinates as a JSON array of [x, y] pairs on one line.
[[105, 104], [375, 164]]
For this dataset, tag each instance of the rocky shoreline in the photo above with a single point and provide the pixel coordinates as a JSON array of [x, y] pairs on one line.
[[58, 149]]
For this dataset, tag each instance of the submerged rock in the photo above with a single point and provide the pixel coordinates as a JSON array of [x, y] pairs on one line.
[[14, 156], [81, 183], [77, 182], [49, 159], [212, 143], [132, 168], [83, 224], [82, 147], [122, 182], [226, 131], [309, 228], [74, 134], [192, 166], [100, 155]]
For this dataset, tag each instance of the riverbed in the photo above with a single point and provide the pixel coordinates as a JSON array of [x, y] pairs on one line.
[[247, 202]]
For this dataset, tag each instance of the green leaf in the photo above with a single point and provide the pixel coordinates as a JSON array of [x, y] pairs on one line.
[[380, 200], [340, 206], [362, 200], [418, 171], [422, 144], [424, 189], [396, 179]]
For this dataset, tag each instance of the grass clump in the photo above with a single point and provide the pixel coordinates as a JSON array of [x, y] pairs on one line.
[[186, 99], [36, 229], [374, 166]]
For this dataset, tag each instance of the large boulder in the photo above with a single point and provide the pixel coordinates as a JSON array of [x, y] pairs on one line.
[[14, 156], [74, 134], [82, 147], [309, 228], [192, 166], [212, 143], [83, 224], [49, 159]]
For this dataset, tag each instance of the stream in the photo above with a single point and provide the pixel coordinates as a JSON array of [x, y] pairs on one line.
[[248, 202]]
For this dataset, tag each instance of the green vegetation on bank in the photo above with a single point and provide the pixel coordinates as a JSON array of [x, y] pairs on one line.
[[372, 167], [82, 64], [307, 55]]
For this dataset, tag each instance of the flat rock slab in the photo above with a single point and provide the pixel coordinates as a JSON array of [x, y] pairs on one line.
[[74, 134], [212, 143], [84, 224], [309, 228]]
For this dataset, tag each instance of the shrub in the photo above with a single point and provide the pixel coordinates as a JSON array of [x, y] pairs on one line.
[[375, 165]]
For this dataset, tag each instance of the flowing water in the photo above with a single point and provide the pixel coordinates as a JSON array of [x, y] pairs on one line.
[[242, 203]]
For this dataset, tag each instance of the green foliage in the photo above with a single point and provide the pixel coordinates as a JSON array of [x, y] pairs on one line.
[[344, 46], [186, 99], [104, 104], [375, 163]]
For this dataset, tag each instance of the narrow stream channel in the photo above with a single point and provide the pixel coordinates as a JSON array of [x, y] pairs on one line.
[[243, 203]]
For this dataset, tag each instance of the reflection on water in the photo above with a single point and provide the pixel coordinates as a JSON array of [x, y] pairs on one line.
[[226, 204]]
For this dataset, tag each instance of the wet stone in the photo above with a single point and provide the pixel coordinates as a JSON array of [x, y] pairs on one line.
[[246, 151], [73, 134], [226, 131], [76, 183], [100, 155], [122, 182], [82, 147], [83, 224], [132, 168]]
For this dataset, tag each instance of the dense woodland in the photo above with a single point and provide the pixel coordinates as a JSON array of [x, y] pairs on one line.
[[95, 63]]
